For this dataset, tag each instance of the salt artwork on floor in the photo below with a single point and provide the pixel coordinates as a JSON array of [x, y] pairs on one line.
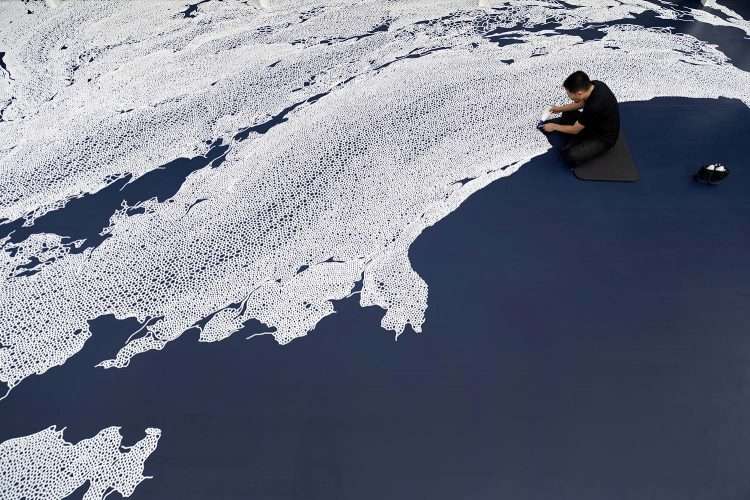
[[187, 169]]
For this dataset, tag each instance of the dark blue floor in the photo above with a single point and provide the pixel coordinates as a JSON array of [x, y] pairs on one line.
[[582, 341]]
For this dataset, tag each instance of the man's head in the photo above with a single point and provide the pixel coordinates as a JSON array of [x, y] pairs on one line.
[[578, 86]]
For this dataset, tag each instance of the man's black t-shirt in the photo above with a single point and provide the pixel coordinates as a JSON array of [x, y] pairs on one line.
[[601, 114]]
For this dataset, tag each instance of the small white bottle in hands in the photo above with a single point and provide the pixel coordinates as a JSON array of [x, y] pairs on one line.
[[546, 115]]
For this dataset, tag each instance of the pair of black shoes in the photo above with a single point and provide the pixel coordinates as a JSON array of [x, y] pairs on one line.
[[712, 173]]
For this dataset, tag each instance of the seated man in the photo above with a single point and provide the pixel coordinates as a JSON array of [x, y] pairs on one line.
[[593, 130]]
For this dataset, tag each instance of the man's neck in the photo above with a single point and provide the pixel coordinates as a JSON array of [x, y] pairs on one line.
[[590, 91]]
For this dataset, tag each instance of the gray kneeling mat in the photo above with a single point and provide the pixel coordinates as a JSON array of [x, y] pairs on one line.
[[614, 165]]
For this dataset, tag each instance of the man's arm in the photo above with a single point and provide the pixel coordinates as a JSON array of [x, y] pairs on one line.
[[571, 106], [566, 129], [570, 129]]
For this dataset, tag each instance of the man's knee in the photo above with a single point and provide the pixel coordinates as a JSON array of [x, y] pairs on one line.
[[582, 152], [573, 157]]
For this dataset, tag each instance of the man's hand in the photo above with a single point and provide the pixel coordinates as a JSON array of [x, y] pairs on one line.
[[555, 109], [549, 127]]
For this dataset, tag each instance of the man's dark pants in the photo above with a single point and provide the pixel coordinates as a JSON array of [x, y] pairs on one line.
[[575, 148]]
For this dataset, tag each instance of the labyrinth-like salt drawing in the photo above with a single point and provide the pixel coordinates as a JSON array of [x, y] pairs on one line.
[[44, 465], [199, 166]]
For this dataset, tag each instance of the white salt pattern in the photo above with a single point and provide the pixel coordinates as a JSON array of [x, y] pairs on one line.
[[344, 185], [43, 466]]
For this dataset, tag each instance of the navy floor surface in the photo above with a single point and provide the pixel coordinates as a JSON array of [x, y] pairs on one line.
[[582, 341]]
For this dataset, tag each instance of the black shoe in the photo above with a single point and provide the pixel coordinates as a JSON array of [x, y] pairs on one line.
[[719, 174], [705, 173]]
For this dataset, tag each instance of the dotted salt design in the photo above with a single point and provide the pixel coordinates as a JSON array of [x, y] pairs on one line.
[[43, 466], [348, 127]]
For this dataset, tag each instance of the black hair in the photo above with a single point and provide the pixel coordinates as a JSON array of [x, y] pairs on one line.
[[577, 81]]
